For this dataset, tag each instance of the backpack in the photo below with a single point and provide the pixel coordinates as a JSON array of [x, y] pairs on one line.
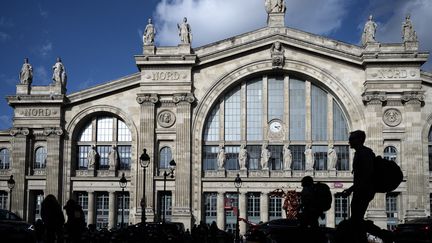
[[323, 196], [387, 175]]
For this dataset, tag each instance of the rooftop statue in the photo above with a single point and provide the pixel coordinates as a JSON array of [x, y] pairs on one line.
[[408, 32], [59, 73], [369, 31], [275, 6], [149, 33], [26, 73], [185, 32]]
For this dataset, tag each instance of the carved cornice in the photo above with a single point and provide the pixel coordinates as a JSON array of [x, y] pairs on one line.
[[374, 98], [19, 131], [413, 97], [147, 98], [183, 97], [53, 130]]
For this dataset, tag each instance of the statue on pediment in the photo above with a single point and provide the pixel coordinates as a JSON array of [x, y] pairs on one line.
[[149, 33], [332, 158], [287, 157], [277, 54], [26, 73], [369, 31], [265, 156], [113, 158], [243, 154], [221, 158], [309, 156], [275, 6], [59, 73], [185, 32], [408, 32], [92, 157]]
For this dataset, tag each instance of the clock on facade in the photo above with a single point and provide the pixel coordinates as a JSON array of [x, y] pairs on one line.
[[275, 126]]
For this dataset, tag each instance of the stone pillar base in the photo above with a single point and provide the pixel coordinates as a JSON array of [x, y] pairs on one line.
[[309, 173], [149, 213], [23, 89], [276, 20], [411, 45], [332, 173], [184, 48], [149, 50]]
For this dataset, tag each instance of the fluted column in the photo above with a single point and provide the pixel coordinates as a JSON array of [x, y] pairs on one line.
[[182, 203], [91, 208], [112, 210], [53, 172], [146, 141], [264, 207], [243, 211], [220, 214]]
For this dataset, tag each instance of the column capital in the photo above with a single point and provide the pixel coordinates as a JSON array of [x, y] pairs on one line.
[[413, 97], [183, 97], [19, 131], [147, 98], [374, 97], [53, 131]]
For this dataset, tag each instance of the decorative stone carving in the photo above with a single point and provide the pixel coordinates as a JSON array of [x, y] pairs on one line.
[[287, 157], [59, 73], [408, 32], [19, 130], [185, 32], [369, 31], [26, 73], [332, 157], [275, 6], [166, 118], [187, 97], [309, 156], [113, 158], [265, 156], [392, 117], [149, 33], [221, 158], [374, 97], [413, 96], [277, 54], [92, 158], [53, 130], [144, 98], [242, 157]]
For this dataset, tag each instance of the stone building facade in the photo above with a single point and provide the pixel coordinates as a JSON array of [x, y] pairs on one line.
[[271, 105]]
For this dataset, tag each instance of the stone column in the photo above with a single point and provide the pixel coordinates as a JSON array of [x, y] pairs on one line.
[[374, 139], [330, 214], [146, 141], [20, 145], [53, 161], [182, 202], [91, 208], [220, 214], [417, 196], [243, 211], [112, 209], [264, 209]]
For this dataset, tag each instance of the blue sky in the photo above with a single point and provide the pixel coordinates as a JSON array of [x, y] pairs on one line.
[[97, 39]]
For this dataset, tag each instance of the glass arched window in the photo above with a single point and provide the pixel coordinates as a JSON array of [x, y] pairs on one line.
[[273, 109], [40, 158], [104, 132], [165, 157], [4, 159], [390, 153], [430, 149]]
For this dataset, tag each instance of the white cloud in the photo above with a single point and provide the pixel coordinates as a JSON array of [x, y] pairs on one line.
[[213, 20], [45, 49], [43, 12], [4, 36], [40, 74]]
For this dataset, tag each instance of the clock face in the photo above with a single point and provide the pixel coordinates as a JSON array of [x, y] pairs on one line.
[[275, 126]]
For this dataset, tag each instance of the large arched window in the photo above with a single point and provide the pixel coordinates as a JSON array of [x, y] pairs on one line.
[[390, 153], [109, 135], [40, 158], [4, 159], [165, 157], [430, 149], [277, 110]]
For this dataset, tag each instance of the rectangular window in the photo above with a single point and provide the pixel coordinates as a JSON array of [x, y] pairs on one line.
[[298, 157], [83, 202], [231, 153], [86, 135], [297, 110], [254, 155], [211, 132], [210, 207], [342, 152], [341, 208], [340, 130], [165, 205], [320, 157], [253, 207], [232, 115], [319, 113], [102, 210], [82, 157], [392, 211], [275, 98], [123, 203], [105, 129], [254, 108], [103, 152], [125, 157], [3, 200], [39, 197], [276, 158], [210, 154], [231, 204], [123, 132], [275, 208], [4, 159]]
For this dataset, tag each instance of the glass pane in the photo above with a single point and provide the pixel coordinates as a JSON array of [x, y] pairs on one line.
[[298, 157], [210, 207], [40, 158], [254, 110], [103, 152], [210, 157], [320, 157], [211, 132], [340, 128], [83, 202], [342, 152], [124, 134], [102, 210], [3, 200], [123, 203], [276, 159], [297, 110], [82, 157], [165, 157], [232, 157], [275, 98], [105, 129], [275, 208], [341, 208], [4, 159], [253, 207], [319, 114], [125, 157], [86, 134], [232, 115], [390, 153], [254, 156]]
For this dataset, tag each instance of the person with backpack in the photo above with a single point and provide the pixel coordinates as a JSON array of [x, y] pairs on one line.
[[75, 224], [316, 198]]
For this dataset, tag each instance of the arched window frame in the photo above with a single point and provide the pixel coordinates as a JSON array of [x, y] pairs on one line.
[[390, 153], [4, 159], [165, 156], [40, 158]]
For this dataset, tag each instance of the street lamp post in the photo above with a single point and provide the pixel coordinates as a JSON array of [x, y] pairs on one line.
[[11, 185], [237, 184], [123, 183], [144, 161], [172, 166]]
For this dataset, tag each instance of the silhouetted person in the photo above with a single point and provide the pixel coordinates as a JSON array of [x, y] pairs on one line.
[[309, 208], [53, 219], [39, 229], [213, 232], [75, 224]]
